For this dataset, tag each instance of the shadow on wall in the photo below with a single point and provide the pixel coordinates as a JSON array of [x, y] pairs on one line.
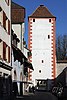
[[62, 78]]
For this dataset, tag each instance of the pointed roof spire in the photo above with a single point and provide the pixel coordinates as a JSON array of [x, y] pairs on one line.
[[42, 12]]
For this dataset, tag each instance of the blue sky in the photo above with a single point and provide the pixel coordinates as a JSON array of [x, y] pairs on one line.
[[57, 7]]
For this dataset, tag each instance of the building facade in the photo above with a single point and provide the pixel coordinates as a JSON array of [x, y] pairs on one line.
[[5, 34], [5, 46], [41, 42], [17, 46], [20, 62]]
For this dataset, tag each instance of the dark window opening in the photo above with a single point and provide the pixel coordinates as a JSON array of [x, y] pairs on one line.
[[48, 36], [49, 20], [42, 61], [33, 20], [39, 71]]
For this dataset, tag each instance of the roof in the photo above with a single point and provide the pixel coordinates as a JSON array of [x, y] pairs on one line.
[[16, 11], [42, 12], [16, 6], [61, 61]]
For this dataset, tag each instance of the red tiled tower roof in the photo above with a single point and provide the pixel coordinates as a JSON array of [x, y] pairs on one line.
[[18, 13], [41, 12]]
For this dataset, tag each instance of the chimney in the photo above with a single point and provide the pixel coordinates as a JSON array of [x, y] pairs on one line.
[[41, 5]]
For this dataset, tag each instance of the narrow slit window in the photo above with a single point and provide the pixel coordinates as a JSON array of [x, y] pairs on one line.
[[42, 61], [33, 20], [48, 36], [39, 71], [49, 20]]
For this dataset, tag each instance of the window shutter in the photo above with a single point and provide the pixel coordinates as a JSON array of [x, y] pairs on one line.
[[4, 20], [9, 54], [8, 27], [8, 2], [4, 50]]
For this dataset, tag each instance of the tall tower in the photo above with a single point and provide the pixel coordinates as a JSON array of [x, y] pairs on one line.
[[42, 44]]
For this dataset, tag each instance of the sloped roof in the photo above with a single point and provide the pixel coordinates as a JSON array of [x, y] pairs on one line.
[[16, 6], [17, 13], [42, 12]]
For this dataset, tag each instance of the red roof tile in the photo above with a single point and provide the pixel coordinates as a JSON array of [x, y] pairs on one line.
[[18, 13]]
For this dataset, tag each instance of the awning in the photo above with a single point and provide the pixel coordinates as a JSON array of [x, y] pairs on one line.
[[18, 55], [28, 64]]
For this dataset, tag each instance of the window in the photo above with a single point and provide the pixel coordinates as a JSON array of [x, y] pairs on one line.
[[49, 20], [39, 71], [4, 20], [6, 23], [4, 50], [42, 61], [8, 27], [9, 54], [48, 36], [33, 20]]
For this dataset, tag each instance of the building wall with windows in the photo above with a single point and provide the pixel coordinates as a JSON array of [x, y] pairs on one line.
[[5, 35], [19, 30], [17, 45]]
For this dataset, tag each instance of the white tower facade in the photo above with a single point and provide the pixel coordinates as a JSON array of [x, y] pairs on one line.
[[42, 45]]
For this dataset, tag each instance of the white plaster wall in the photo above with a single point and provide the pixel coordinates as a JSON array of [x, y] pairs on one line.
[[3, 33], [1, 18], [18, 28], [4, 36], [41, 49]]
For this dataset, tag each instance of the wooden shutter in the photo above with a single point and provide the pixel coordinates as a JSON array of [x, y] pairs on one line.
[[4, 50], [4, 20], [8, 27], [9, 54], [8, 2]]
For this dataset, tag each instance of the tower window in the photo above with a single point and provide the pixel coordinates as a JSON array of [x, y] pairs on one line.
[[49, 20], [42, 61], [48, 36], [33, 20], [39, 71]]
